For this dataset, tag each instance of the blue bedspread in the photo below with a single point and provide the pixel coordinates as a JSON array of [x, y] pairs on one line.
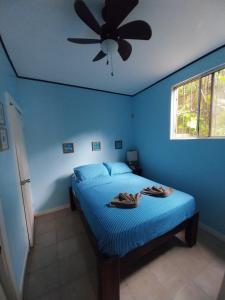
[[117, 230]]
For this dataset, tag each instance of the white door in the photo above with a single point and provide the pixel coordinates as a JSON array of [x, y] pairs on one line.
[[15, 118], [8, 288]]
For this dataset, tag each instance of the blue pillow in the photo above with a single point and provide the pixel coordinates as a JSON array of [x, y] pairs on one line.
[[117, 168], [90, 171]]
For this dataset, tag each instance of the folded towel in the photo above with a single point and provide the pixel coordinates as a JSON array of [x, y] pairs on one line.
[[125, 200], [157, 191]]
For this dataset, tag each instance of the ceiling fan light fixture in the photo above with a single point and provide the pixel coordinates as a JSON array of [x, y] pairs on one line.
[[109, 46]]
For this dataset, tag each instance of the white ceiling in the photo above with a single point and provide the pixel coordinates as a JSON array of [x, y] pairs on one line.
[[35, 32]]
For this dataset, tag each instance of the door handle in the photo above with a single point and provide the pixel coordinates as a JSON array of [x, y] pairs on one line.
[[25, 181]]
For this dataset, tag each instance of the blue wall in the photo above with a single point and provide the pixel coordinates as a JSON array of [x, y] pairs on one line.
[[55, 114], [194, 166], [11, 201]]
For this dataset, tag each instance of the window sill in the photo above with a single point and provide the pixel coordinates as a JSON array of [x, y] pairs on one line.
[[197, 138]]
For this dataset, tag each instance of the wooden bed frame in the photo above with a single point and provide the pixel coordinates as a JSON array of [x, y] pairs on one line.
[[110, 268]]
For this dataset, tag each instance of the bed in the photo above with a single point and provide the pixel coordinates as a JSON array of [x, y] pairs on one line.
[[121, 236]]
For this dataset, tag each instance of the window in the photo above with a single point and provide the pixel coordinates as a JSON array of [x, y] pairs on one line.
[[198, 107]]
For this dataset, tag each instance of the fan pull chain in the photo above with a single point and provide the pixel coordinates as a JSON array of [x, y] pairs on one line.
[[111, 63], [107, 62]]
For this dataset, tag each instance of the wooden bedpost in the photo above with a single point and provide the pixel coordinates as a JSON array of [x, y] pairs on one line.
[[108, 278], [72, 203], [191, 230]]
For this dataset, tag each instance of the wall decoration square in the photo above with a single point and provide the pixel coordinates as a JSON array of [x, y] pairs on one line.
[[4, 145], [96, 146], [118, 144], [2, 115], [68, 148]]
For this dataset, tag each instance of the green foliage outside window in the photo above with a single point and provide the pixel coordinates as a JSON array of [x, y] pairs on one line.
[[200, 106], [218, 118], [187, 108]]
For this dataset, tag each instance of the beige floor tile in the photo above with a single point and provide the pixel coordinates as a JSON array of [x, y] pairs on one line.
[[79, 289], [69, 292], [90, 258], [63, 266], [125, 293], [43, 226], [45, 239], [28, 265], [79, 228], [63, 213], [144, 285], [210, 280], [191, 292], [164, 268], [65, 232], [221, 295], [72, 267], [215, 252], [77, 215], [68, 247], [174, 284], [216, 256], [188, 264], [84, 243], [93, 276], [44, 218], [26, 287], [84, 289], [54, 295], [210, 241], [41, 282], [42, 257], [65, 220]]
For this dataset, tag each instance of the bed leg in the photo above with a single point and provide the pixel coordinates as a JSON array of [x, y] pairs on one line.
[[109, 278], [191, 230], [72, 203]]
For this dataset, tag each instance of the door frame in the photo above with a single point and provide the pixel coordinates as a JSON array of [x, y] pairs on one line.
[[11, 103], [9, 285]]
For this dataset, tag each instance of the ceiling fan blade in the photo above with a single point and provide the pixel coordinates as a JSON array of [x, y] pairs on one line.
[[136, 30], [86, 16], [83, 41], [104, 13], [124, 49], [99, 56], [116, 11]]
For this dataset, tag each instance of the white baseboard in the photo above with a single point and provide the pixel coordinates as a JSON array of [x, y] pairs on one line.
[[51, 210], [212, 231]]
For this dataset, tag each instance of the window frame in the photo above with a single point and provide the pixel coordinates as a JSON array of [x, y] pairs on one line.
[[173, 135]]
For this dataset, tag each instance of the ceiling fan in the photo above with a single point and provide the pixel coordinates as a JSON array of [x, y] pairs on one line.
[[111, 36]]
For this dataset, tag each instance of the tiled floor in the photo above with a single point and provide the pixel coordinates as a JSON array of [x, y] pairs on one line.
[[62, 266]]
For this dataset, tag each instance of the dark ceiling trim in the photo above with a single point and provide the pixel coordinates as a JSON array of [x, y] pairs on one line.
[[98, 90], [72, 85], [194, 61], [7, 55], [52, 82]]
